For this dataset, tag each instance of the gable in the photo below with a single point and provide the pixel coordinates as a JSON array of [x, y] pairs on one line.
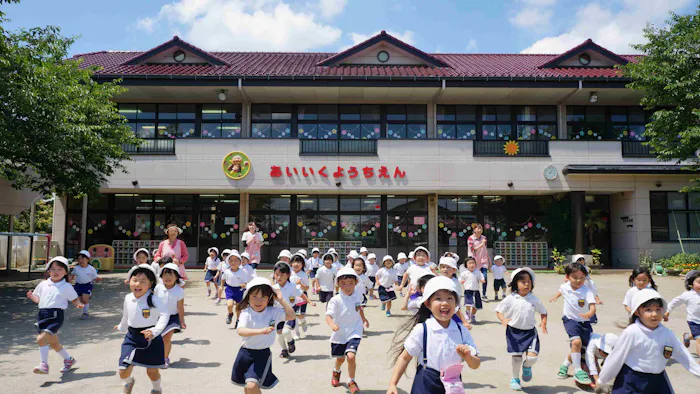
[[397, 56], [592, 54], [167, 57], [164, 54]]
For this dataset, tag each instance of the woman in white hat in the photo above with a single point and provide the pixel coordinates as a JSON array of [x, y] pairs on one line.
[[174, 248], [637, 363]]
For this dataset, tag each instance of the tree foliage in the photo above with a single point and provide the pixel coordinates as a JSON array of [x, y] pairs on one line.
[[43, 219], [59, 129], [669, 76]]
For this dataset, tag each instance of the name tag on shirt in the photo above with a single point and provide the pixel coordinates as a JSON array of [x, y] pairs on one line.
[[292, 300]]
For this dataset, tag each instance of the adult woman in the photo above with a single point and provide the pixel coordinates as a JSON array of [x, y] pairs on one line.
[[478, 250], [173, 248], [252, 241]]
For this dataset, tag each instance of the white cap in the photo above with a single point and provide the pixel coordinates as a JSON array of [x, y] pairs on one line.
[[440, 283], [257, 281], [363, 249], [401, 255], [423, 249], [353, 254], [245, 255], [576, 257], [643, 296], [315, 250], [300, 256], [327, 254], [179, 230], [526, 269], [146, 266], [84, 253], [144, 250], [303, 252], [331, 250], [498, 256], [234, 253], [411, 254], [58, 259], [285, 253], [173, 267], [372, 256], [225, 251], [346, 271], [387, 257], [425, 273], [448, 261], [607, 342], [215, 249]]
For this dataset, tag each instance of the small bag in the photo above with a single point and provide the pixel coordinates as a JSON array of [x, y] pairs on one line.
[[452, 380]]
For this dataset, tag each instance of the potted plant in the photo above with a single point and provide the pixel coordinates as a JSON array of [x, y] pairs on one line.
[[559, 261], [595, 253]]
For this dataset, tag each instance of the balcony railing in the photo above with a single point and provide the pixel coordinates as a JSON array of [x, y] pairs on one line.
[[151, 147], [338, 147], [636, 149], [524, 148]]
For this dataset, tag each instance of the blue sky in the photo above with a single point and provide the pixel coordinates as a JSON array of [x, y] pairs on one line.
[[493, 26]]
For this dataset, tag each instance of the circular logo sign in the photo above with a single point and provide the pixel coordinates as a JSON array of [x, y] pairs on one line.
[[236, 165]]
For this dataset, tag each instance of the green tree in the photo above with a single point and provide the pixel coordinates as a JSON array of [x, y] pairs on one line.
[[59, 129], [43, 220], [669, 76]]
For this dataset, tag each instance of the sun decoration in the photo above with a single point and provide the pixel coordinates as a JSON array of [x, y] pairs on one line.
[[511, 148]]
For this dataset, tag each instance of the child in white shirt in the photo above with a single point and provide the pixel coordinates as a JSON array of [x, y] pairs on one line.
[[325, 279], [386, 276], [691, 300], [499, 271], [471, 278], [211, 267], [84, 274], [173, 297], [640, 279]]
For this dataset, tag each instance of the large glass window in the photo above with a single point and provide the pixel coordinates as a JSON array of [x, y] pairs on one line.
[[183, 120], [219, 222], [606, 123], [456, 122], [455, 217], [407, 223], [406, 121], [221, 120], [496, 123], [536, 122], [674, 215], [329, 121], [271, 120]]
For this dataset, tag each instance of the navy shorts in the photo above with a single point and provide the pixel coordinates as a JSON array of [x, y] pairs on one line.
[[629, 381], [340, 349], [499, 284], [300, 309], [312, 274], [521, 341], [290, 323], [473, 298], [400, 277], [386, 295], [575, 329], [83, 288], [254, 365], [234, 293], [49, 320], [173, 324], [373, 280], [136, 350], [209, 276], [694, 329], [325, 296]]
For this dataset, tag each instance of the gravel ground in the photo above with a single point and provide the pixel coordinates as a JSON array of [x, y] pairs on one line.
[[203, 354]]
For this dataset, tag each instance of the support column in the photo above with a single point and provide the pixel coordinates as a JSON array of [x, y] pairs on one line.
[[432, 124], [83, 224], [243, 213], [577, 209], [10, 228], [433, 225], [58, 230], [561, 122], [245, 120]]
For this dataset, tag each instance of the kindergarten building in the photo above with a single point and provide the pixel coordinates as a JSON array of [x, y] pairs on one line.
[[385, 146]]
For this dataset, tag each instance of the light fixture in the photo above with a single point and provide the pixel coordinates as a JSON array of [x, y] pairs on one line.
[[222, 95], [593, 98], [658, 184]]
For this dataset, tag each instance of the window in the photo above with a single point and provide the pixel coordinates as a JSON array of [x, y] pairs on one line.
[[455, 217], [328, 121], [674, 214], [606, 123], [456, 122], [271, 120], [183, 120], [141, 118], [407, 223], [536, 122], [406, 121], [219, 215], [221, 120], [496, 123], [628, 123]]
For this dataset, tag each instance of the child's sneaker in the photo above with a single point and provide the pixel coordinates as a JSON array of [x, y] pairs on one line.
[[229, 318], [85, 316], [218, 301], [235, 326], [167, 363], [153, 391], [383, 306], [484, 297], [495, 298], [515, 384], [42, 369], [284, 353], [371, 297], [582, 377], [296, 336], [563, 372], [304, 327], [208, 293], [388, 313], [352, 386], [68, 364], [335, 379], [686, 339], [126, 389], [292, 347], [473, 320], [527, 374]]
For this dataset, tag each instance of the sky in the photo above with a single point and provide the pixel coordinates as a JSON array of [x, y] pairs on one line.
[[434, 26]]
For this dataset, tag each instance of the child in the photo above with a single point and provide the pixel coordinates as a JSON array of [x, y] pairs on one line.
[[84, 275], [53, 295], [143, 256], [144, 319], [352, 255], [258, 318], [234, 280], [472, 298], [422, 256], [579, 307], [581, 259], [211, 267], [325, 277], [411, 256], [638, 361], [247, 266], [691, 299], [401, 266], [517, 313], [477, 248], [364, 252], [301, 280], [173, 297], [448, 269], [222, 268], [290, 292], [285, 256], [439, 344], [386, 276], [599, 347], [499, 271], [414, 297], [315, 263], [345, 316], [363, 283], [640, 279]]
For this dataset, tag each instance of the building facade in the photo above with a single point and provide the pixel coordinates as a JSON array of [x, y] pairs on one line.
[[386, 145]]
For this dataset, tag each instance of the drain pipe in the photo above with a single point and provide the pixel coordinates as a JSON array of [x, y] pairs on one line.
[[561, 111], [245, 115]]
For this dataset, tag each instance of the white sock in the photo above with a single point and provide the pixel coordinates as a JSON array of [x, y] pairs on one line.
[[287, 333], [156, 384], [86, 307], [282, 342], [128, 380], [516, 362], [576, 360], [63, 353], [296, 329], [530, 361], [44, 352], [302, 321], [566, 362]]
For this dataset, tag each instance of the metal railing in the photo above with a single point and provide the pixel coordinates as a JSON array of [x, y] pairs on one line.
[[525, 148], [338, 147], [164, 146], [636, 149]]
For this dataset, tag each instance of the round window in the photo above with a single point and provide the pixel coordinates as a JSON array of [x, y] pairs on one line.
[[584, 59], [383, 56], [179, 56]]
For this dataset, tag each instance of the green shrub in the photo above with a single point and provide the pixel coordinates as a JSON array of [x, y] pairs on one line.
[[682, 262]]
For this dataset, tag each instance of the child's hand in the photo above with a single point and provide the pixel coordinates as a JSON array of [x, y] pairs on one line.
[[544, 328], [366, 322], [335, 327], [268, 330], [116, 328], [392, 390], [79, 305], [278, 295], [666, 316], [126, 281], [463, 351], [313, 304], [586, 315], [297, 281], [553, 299], [147, 334], [504, 322], [30, 295], [183, 325], [467, 325], [98, 279]]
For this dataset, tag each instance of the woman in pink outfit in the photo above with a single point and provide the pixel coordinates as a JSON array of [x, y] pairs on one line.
[[252, 241], [478, 250], [173, 248]]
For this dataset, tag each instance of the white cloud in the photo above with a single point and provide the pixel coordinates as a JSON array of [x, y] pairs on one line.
[[406, 36], [145, 24], [612, 29], [471, 45], [534, 13], [331, 8], [247, 25]]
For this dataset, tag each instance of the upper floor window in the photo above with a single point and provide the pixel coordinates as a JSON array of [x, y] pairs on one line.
[[183, 120], [271, 121], [536, 122], [456, 122], [329, 121], [406, 121], [221, 120], [496, 122], [605, 123]]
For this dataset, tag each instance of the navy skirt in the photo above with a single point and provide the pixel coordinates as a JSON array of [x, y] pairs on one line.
[[694, 329], [629, 381], [427, 380], [173, 324], [209, 276], [49, 320], [83, 288], [521, 341], [254, 365], [234, 293], [473, 298], [136, 350], [386, 295]]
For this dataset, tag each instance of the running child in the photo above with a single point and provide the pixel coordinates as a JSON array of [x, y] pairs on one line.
[[411, 258], [640, 279], [222, 267], [315, 263], [386, 276], [401, 267], [422, 256], [517, 312], [363, 282], [352, 255], [364, 252], [290, 292], [211, 267], [345, 316], [258, 318], [173, 297], [234, 280], [691, 300], [637, 363], [372, 269], [581, 259], [143, 256], [471, 278], [439, 344], [144, 319], [499, 271], [325, 279], [599, 347], [414, 297], [448, 269], [84, 274], [301, 280], [285, 256], [579, 307], [247, 266], [53, 295]]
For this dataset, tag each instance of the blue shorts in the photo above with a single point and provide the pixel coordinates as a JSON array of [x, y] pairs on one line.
[[253, 365], [400, 277], [629, 381], [290, 323], [83, 288], [234, 293], [694, 329], [325, 296], [575, 329], [473, 298], [372, 279], [136, 350], [340, 349], [300, 309], [209, 276], [49, 320], [312, 274], [521, 341]]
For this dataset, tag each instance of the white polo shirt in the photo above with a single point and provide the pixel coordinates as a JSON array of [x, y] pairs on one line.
[[372, 269], [213, 264], [472, 279], [303, 278], [326, 278], [691, 299], [643, 349], [249, 270], [289, 291], [576, 301], [442, 344], [498, 272], [592, 353], [415, 271], [363, 284], [54, 294], [270, 317], [235, 279], [629, 295], [313, 262], [138, 314], [387, 277], [84, 275], [401, 268], [414, 304], [521, 310], [170, 297], [345, 311], [337, 266]]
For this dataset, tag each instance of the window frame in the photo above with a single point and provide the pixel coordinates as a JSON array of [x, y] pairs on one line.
[[687, 212]]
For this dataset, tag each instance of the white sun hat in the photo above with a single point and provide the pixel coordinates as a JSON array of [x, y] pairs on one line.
[[448, 261], [645, 295], [526, 269], [347, 271], [423, 249], [215, 249], [142, 250], [257, 281], [401, 255], [440, 283], [285, 253]]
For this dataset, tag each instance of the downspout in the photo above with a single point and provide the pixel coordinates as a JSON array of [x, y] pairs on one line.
[[245, 115], [561, 111]]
